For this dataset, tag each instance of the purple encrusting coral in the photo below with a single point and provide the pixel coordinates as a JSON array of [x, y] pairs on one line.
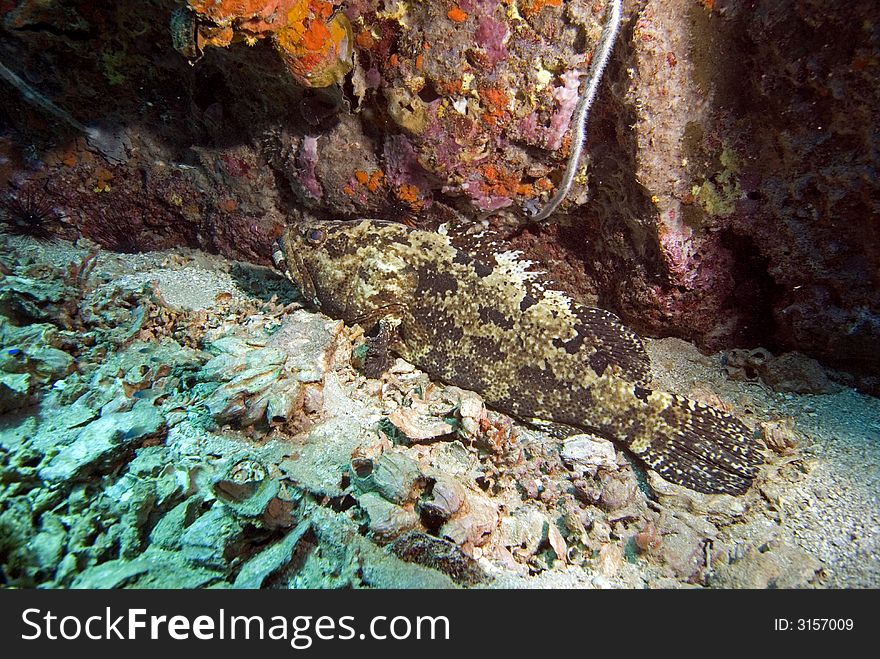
[[486, 202], [491, 36], [402, 165], [492, 31]]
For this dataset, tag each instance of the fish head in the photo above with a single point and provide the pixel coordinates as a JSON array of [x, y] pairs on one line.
[[353, 270]]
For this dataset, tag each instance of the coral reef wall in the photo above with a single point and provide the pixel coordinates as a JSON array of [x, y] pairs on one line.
[[729, 194], [750, 129]]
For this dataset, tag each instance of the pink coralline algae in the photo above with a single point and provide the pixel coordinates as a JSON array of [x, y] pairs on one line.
[[566, 96], [491, 36], [307, 160], [402, 166]]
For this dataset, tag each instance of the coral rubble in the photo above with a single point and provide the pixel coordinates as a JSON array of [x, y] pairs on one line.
[[259, 456]]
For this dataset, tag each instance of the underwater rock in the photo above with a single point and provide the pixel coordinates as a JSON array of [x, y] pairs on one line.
[[439, 554], [45, 362], [149, 461], [111, 574], [682, 548], [246, 487], [316, 44], [169, 570], [157, 462], [168, 532], [475, 101], [153, 569], [445, 498], [312, 38], [29, 300], [13, 437], [746, 365], [15, 389], [29, 360], [588, 453], [104, 441], [139, 500], [790, 372], [207, 541], [310, 342], [796, 373], [776, 565], [48, 545], [741, 252], [523, 531], [715, 242], [260, 567], [387, 520], [474, 524], [394, 476], [619, 489], [140, 370], [718, 507], [50, 364]]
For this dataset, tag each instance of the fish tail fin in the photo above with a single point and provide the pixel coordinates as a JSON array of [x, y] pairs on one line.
[[698, 446]]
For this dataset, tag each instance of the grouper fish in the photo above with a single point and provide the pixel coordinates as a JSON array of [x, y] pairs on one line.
[[494, 325]]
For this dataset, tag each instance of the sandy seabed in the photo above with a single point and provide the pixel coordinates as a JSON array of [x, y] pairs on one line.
[[204, 430]]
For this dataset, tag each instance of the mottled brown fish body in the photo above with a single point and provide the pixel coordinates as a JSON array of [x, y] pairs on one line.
[[493, 325]]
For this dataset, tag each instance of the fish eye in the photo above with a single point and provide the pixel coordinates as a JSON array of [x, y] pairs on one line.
[[314, 236]]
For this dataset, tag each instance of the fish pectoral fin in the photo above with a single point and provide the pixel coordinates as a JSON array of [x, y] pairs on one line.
[[374, 356]]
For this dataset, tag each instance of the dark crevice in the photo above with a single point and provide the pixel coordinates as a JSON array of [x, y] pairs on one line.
[[753, 292]]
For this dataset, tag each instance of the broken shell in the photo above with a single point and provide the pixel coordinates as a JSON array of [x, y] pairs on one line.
[[394, 476], [557, 542], [241, 481], [278, 256], [183, 33], [780, 435], [444, 500], [419, 427], [247, 488], [587, 453], [387, 520], [474, 523], [228, 400]]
